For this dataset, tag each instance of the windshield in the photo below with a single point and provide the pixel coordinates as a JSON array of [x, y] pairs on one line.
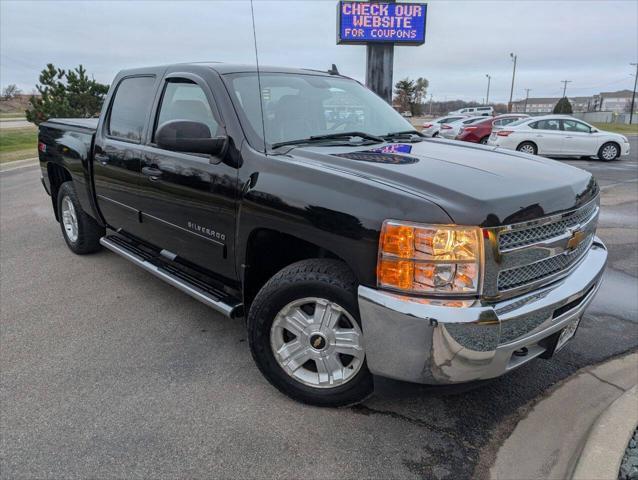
[[299, 106]]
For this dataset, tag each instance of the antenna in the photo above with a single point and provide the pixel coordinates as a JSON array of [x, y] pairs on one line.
[[333, 70], [261, 103]]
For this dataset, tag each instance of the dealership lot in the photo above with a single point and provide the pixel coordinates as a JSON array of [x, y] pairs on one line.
[[108, 372]]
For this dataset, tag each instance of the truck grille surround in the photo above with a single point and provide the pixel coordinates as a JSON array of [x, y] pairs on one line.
[[528, 255], [516, 277], [527, 236]]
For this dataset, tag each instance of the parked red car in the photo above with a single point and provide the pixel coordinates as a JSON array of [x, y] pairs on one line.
[[480, 132]]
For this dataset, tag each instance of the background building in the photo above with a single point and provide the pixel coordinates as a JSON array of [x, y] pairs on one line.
[[617, 102], [547, 104]]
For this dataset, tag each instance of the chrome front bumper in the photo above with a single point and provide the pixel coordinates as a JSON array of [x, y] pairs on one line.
[[441, 341]]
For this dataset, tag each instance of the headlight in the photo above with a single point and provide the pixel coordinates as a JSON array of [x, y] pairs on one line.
[[418, 258]]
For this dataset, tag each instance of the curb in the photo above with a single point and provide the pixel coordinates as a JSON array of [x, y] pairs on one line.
[[557, 431], [18, 164], [608, 438]]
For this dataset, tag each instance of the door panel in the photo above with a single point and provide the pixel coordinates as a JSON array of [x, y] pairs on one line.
[[188, 201], [188, 207], [548, 137], [118, 152], [578, 139], [116, 171]]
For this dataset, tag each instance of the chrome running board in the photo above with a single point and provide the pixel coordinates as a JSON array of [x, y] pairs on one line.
[[192, 286]]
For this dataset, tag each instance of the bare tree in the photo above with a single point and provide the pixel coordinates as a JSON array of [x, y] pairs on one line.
[[10, 91]]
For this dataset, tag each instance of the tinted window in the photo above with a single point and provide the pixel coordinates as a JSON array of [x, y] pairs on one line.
[[521, 121], [184, 100], [298, 106], [507, 121], [551, 124], [131, 107], [574, 126]]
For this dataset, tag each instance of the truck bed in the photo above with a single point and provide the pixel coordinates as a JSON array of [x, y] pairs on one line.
[[88, 123], [65, 145]]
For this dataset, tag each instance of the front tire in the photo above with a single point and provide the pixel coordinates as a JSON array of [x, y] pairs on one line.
[[80, 231], [609, 152], [305, 335], [527, 147]]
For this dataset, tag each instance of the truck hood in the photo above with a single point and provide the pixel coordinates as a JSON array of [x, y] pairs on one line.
[[474, 184]]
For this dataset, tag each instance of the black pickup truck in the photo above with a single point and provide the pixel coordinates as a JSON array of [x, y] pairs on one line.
[[351, 245]]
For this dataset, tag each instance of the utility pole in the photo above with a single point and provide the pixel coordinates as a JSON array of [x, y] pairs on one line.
[[430, 104], [633, 97], [509, 105], [487, 97], [527, 90], [565, 82]]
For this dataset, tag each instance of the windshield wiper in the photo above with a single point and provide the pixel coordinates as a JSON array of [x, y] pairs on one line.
[[331, 136], [410, 135]]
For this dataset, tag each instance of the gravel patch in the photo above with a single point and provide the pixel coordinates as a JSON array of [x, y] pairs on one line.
[[629, 465]]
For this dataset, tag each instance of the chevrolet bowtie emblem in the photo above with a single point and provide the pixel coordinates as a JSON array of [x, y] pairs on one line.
[[577, 237]]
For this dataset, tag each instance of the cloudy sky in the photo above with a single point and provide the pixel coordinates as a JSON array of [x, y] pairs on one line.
[[590, 43]]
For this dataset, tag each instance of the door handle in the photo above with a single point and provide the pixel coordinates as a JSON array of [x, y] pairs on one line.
[[100, 157], [153, 174], [568, 137]]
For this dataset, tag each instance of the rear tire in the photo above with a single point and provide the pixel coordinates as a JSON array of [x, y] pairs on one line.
[[435, 134], [527, 147], [80, 231], [299, 326], [483, 141], [608, 152]]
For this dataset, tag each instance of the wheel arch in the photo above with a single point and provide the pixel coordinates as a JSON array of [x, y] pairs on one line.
[[269, 250], [614, 142], [57, 176]]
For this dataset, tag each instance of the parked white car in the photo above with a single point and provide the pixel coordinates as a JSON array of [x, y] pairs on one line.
[[451, 130], [484, 111], [431, 128], [560, 136]]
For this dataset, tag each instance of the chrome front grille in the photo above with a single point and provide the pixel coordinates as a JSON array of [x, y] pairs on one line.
[[528, 255], [516, 277], [534, 234]]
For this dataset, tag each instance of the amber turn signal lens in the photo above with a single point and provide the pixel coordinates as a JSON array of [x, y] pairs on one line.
[[427, 258], [398, 240], [395, 273]]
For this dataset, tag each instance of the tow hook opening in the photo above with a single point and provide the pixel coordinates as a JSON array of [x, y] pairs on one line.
[[521, 352]]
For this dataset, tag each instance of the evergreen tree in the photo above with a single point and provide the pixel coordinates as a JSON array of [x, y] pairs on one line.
[[563, 106], [65, 94]]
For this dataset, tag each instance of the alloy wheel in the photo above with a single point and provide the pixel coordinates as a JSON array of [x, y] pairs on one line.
[[317, 342], [69, 219], [610, 152]]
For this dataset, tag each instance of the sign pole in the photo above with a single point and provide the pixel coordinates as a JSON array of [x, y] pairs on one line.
[[379, 25], [379, 62]]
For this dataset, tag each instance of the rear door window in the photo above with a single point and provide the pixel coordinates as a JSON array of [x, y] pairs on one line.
[[130, 108], [551, 124]]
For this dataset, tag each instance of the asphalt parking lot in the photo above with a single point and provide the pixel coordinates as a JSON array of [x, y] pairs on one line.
[[107, 372]]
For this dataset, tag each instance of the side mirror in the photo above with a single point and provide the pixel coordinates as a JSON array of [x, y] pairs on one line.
[[190, 137], [593, 130]]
